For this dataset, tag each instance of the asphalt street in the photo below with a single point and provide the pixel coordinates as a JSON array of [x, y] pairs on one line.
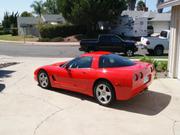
[[49, 51], [15, 49]]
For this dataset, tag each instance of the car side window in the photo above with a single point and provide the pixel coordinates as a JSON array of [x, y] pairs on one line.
[[115, 39], [83, 62], [105, 39]]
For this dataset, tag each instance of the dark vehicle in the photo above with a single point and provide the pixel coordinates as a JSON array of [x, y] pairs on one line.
[[109, 42]]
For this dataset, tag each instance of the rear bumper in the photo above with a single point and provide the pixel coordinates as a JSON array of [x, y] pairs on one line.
[[130, 92]]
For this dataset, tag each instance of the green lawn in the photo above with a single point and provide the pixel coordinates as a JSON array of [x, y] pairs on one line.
[[9, 37], [152, 57]]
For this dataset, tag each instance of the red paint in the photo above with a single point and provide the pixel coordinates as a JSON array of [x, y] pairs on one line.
[[82, 80]]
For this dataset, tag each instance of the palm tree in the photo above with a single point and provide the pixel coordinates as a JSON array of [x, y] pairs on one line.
[[141, 6], [38, 7], [131, 4], [159, 2]]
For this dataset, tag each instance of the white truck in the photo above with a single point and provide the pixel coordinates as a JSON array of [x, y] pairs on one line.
[[157, 45]]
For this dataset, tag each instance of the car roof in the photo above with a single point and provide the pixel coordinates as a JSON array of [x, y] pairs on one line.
[[97, 53]]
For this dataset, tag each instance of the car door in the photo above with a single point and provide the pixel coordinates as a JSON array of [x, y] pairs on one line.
[[104, 43], [81, 74], [62, 76], [117, 44]]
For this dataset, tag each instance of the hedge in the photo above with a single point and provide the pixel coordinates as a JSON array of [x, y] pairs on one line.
[[53, 31], [14, 32]]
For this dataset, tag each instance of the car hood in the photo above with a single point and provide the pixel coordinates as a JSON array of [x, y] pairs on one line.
[[130, 41], [58, 63]]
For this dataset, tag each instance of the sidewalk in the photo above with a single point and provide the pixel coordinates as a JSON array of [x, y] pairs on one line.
[[41, 43]]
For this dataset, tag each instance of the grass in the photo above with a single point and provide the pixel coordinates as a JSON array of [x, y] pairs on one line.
[[9, 37], [164, 57]]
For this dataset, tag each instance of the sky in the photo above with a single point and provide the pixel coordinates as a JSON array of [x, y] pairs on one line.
[[24, 5]]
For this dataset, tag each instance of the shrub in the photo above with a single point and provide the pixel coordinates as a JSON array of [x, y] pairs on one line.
[[14, 31], [44, 40], [147, 59], [1, 28], [57, 39], [160, 66], [53, 31]]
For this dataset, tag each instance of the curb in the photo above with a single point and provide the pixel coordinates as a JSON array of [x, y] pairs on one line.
[[42, 43]]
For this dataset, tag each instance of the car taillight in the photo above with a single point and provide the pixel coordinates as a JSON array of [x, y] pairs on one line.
[[148, 43], [135, 77], [141, 75]]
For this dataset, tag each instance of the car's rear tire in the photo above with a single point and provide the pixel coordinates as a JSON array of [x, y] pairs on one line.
[[43, 79], [158, 51], [129, 52], [104, 93]]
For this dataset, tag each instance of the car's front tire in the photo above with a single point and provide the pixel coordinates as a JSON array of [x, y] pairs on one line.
[[104, 93], [43, 79]]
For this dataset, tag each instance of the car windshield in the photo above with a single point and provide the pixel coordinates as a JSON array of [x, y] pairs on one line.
[[113, 60]]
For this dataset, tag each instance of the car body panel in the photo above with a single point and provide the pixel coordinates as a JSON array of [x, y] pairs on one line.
[[83, 80]]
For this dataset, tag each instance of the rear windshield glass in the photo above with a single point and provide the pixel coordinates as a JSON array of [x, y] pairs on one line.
[[113, 60], [163, 34]]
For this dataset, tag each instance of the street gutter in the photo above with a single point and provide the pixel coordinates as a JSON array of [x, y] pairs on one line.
[[42, 43]]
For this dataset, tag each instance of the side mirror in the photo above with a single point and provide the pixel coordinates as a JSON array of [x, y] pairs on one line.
[[67, 68]]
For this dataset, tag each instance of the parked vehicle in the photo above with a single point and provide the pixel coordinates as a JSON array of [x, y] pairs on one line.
[[157, 45], [109, 42], [106, 77], [131, 27]]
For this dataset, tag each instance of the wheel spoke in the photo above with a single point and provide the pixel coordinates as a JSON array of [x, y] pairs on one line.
[[103, 93], [43, 79], [108, 93]]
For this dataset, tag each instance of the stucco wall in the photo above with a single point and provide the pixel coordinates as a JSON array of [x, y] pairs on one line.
[[174, 51], [159, 26]]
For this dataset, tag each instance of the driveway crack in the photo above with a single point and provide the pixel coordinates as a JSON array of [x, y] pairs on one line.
[[50, 116], [43, 121]]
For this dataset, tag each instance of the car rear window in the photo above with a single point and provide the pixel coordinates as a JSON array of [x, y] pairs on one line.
[[113, 60]]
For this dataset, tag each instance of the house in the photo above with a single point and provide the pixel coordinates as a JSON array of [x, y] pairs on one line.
[[160, 21], [53, 19], [174, 47], [28, 25]]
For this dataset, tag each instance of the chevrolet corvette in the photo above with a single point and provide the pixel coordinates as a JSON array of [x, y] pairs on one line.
[[105, 76]]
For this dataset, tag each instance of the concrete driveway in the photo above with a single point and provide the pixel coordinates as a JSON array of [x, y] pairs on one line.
[[26, 109]]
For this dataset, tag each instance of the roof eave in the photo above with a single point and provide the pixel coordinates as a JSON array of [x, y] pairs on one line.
[[169, 3]]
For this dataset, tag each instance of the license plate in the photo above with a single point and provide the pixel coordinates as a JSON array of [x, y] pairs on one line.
[[146, 79]]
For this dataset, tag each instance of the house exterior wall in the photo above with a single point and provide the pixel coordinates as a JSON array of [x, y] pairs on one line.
[[174, 48], [31, 30], [160, 25]]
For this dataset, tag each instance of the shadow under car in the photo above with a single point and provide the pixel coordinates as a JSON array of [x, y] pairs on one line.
[[146, 103]]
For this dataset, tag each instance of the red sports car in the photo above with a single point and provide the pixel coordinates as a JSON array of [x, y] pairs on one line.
[[103, 75]]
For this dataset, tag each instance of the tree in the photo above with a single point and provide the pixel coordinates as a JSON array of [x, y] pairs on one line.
[[51, 7], [131, 4], [141, 6], [90, 12], [38, 7], [26, 14], [10, 20], [158, 3]]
